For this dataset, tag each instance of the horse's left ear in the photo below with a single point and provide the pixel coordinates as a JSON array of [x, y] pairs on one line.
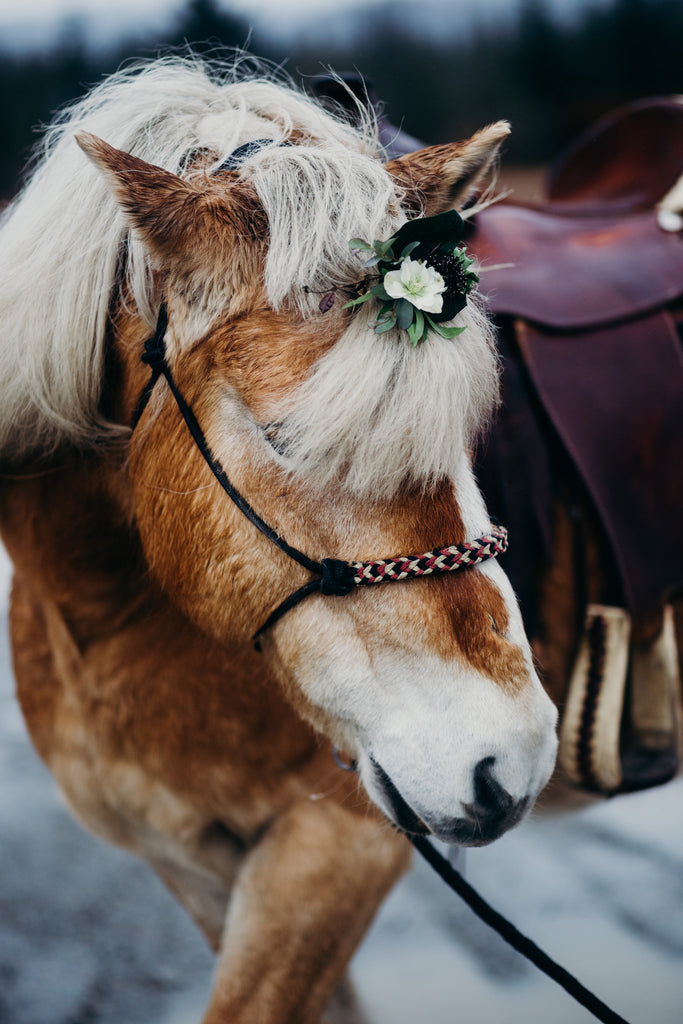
[[441, 178]]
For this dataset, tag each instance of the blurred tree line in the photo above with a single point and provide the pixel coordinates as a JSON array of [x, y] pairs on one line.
[[550, 78]]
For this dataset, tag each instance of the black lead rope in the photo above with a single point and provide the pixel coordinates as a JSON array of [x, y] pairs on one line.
[[512, 935]]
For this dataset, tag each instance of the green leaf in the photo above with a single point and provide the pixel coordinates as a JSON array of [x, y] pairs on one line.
[[408, 249], [450, 332], [384, 247], [405, 313], [417, 331], [358, 301], [465, 260], [446, 332], [385, 325], [358, 243], [381, 293]]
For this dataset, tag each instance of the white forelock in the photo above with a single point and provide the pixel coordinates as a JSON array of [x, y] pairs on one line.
[[377, 412]]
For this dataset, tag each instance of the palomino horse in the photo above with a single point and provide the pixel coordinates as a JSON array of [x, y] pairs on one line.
[[223, 215]]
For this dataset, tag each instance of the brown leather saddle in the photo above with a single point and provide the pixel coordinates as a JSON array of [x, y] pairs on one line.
[[593, 302], [589, 288], [627, 161], [588, 291]]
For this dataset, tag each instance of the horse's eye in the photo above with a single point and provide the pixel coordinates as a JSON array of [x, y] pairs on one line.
[[270, 432], [504, 633]]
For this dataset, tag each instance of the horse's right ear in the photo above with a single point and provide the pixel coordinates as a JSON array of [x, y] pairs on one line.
[[175, 218], [159, 204]]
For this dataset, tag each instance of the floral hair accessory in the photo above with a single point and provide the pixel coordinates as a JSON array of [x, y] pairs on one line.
[[424, 276]]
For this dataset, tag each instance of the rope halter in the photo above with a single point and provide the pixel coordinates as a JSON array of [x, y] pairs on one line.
[[331, 576]]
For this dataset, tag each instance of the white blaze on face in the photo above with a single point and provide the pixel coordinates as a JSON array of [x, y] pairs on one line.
[[466, 754]]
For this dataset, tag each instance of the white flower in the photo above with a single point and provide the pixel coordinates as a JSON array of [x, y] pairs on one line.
[[417, 282]]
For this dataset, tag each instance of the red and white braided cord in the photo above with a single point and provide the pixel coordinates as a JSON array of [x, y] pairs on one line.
[[458, 556]]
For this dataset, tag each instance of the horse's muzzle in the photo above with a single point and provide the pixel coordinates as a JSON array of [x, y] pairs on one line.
[[492, 812]]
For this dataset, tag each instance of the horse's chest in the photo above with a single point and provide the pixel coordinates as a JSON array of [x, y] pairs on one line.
[[149, 731]]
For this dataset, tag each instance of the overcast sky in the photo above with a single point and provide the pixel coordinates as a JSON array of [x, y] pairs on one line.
[[36, 22], [10, 10]]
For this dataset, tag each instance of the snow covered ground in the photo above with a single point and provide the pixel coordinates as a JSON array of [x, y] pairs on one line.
[[89, 936]]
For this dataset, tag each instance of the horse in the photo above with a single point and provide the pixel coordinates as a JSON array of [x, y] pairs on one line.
[[174, 326]]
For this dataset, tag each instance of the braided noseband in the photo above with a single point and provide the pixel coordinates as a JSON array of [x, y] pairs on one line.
[[331, 576]]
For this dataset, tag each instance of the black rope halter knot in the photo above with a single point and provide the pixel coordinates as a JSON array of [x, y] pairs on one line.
[[338, 578], [154, 356]]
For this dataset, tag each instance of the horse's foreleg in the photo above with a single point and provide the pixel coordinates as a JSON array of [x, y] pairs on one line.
[[344, 1007], [302, 901]]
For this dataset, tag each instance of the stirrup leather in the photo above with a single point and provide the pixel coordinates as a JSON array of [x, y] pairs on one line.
[[621, 719]]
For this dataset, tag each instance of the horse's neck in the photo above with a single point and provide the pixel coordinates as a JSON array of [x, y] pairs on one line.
[[118, 657], [70, 531], [70, 541]]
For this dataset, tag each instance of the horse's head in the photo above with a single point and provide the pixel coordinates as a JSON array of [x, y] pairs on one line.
[[350, 444]]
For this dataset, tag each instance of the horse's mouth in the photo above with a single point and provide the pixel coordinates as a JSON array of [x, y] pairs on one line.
[[492, 813], [403, 814]]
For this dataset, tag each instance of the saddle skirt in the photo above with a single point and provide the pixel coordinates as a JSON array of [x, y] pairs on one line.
[[574, 272]]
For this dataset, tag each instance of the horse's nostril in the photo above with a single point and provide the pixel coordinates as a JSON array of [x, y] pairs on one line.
[[489, 795], [491, 813]]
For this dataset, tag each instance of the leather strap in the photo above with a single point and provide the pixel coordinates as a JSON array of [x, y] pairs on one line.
[[615, 397]]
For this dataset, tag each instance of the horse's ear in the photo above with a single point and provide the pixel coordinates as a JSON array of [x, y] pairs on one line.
[[174, 217], [159, 204], [440, 178]]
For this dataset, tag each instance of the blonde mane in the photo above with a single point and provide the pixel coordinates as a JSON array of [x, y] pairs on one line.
[[397, 411], [377, 412], [62, 237]]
